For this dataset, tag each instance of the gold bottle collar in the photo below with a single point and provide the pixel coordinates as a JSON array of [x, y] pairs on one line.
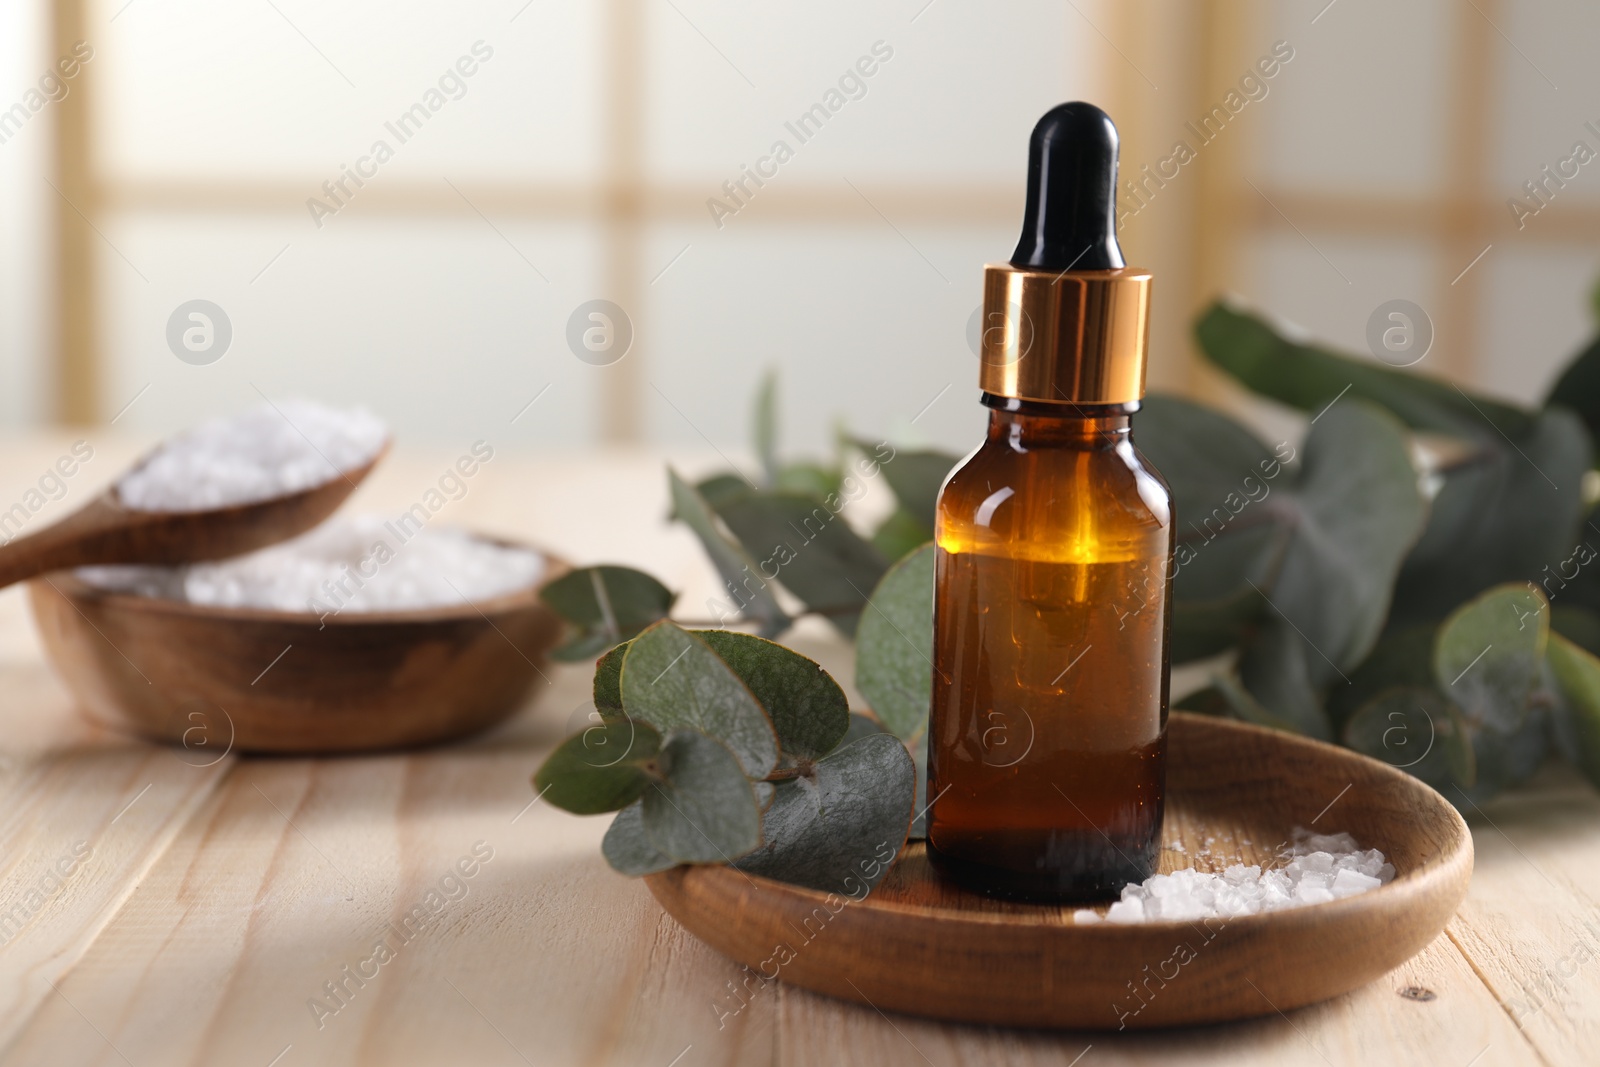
[[1075, 337]]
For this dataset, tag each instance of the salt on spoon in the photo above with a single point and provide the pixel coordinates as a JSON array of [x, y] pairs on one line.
[[226, 488], [271, 451]]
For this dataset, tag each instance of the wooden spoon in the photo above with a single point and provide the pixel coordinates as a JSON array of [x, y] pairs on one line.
[[106, 531]]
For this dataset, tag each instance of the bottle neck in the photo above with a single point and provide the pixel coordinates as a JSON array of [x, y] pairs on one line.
[[1022, 425]]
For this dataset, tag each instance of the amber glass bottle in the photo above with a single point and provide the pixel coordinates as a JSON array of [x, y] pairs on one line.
[[1047, 741]]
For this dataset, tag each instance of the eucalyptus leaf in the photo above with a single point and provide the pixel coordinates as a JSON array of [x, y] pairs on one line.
[[608, 680], [1216, 589], [1507, 758], [1577, 677], [1253, 531], [1208, 700], [810, 479], [1581, 626], [704, 810], [718, 488], [1416, 730], [809, 711], [915, 478], [1274, 666], [838, 829], [1560, 720], [751, 594], [1574, 582], [1311, 377], [894, 645], [1241, 704], [673, 680], [860, 726], [1479, 531], [1229, 535], [1402, 658], [628, 848], [766, 427], [1578, 387], [1202, 629], [808, 547], [604, 605], [1205, 457], [1240, 560], [604, 768], [899, 533], [1356, 510], [1488, 654], [579, 647]]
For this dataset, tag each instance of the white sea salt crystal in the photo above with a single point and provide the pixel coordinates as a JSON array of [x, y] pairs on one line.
[[1275, 893], [266, 452], [358, 564], [1317, 861], [1349, 882], [1162, 885], [1317, 868], [1127, 910], [1184, 906], [1239, 874], [1314, 880], [1342, 843], [1085, 916]]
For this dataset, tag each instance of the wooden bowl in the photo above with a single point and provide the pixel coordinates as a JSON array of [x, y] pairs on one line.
[[1235, 793], [214, 679]]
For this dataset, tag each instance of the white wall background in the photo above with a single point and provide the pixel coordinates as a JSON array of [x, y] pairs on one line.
[[25, 259], [443, 326], [1364, 108]]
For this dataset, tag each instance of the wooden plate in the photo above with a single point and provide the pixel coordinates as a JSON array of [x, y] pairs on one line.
[[1235, 793], [219, 679]]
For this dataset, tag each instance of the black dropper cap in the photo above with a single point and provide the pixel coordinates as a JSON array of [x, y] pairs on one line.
[[1071, 218]]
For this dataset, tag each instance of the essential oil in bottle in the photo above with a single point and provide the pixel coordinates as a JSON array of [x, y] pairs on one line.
[[1047, 742]]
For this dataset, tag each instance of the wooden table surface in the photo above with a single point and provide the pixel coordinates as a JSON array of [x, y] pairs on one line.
[[209, 901]]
